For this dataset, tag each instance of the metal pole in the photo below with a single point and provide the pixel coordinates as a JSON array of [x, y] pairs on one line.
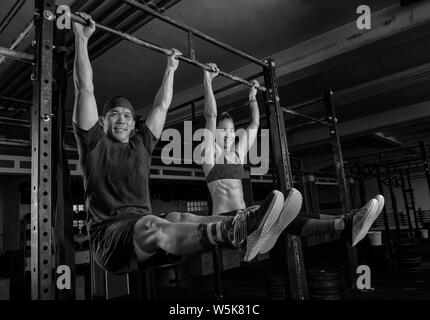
[[199, 34], [218, 267], [63, 202], [393, 201], [301, 115], [313, 201], [24, 34], [16, 55], [41, 159], [165, 51], [412, 199], [405, 199], [384, 210], [341, 176], [291, 250], [14, 100], [375, 153], [425, 162], [216, 259], [362, 190], [22, 122], [398, 184]]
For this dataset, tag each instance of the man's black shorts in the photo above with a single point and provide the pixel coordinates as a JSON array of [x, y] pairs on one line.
[[112, 247]]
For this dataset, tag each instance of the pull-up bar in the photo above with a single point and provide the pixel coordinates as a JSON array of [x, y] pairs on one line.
[[198, 33], [17, 55], [301, 115], [162, 50]]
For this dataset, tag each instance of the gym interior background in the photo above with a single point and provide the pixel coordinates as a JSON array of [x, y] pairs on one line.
[[377, 80]]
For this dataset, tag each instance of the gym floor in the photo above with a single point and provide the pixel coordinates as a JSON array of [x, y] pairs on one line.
[[262, 281]]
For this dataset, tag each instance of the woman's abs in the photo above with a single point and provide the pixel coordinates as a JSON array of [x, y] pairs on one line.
[[227, 195]]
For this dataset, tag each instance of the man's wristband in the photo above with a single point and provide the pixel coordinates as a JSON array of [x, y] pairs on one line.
[[252, 100]]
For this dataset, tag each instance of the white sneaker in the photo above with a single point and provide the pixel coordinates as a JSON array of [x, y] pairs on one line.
[[381, 203], [290, 210], [271, 209], [363, 220]]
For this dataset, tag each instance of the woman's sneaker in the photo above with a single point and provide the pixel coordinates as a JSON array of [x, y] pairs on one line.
[[358, 224], [290, 210], [255, 222], [381, 203]]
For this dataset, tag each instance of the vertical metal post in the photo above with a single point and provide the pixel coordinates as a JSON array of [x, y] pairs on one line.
[[352, 193], [362, 190], [393, 202], [291, 247], [63, 202], [341, 176], [41, 182], [425, 162], [311, 190], [412, 200], [405, 198], [216, 260], [384, 210]]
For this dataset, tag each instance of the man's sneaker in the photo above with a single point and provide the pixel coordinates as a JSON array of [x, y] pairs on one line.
[[358, 224], [254, 222], [290, 210]]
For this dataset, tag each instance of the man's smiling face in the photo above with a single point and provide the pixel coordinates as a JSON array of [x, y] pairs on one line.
[[118, 123]]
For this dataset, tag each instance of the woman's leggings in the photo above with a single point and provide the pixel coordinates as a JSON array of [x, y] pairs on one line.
[[304, 225]]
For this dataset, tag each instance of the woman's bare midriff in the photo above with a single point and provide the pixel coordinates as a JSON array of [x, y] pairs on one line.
[[227, 195]]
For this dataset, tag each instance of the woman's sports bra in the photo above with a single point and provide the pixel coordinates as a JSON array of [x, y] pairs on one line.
[[226, 171]]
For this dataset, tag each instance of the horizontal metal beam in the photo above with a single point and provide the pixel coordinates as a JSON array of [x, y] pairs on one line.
[[15, 122], [165, 51], [301, 115], [24, 34], [17, 55], [376, 153], [15, 100], [365, 125], [195, 32]]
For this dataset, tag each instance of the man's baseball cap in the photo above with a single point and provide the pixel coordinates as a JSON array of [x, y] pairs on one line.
[[117, 101]]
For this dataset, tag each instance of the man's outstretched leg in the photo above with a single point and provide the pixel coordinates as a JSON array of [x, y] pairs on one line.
[[181, 238], [194, 218]]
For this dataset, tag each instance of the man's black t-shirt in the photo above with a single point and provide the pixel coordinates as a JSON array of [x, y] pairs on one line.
[[116, 175]]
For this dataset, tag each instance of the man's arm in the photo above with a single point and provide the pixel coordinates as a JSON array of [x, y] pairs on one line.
[[252, 129], [157, 116], [85, 113]]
